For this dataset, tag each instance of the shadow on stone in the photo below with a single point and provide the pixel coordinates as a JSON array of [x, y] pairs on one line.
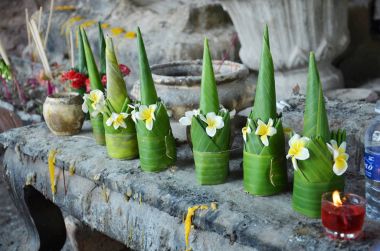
[[47, 218]]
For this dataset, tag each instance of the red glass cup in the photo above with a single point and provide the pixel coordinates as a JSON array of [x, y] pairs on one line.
[[345, 220]]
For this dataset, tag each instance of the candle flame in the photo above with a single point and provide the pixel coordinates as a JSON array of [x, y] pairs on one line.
[[336, 199]]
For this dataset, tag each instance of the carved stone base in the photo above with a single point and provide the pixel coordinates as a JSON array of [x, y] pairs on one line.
[[287, 81]]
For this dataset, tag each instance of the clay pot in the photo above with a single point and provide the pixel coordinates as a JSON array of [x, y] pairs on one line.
[[63, 113]]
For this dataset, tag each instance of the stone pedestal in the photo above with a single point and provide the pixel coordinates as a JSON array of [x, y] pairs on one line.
[[296, 27]]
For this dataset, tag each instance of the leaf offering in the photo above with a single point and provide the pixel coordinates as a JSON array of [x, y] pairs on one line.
[[319, 158], [154, 135], [264, 165]]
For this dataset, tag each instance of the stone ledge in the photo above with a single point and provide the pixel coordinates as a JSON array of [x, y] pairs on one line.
[[152, 217]]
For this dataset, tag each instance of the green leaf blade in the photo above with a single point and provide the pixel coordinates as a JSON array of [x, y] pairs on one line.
[[265, 100], [148, 94], [95, 82], [116, 89], [209, 101], [315, 117]]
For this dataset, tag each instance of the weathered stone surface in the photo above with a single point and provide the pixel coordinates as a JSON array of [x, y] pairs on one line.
[[172, 30], [373, 85], [353, 94], [152, 217]]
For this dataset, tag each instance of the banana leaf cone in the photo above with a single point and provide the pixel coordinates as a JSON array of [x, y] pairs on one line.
[[264, 167], [121, 143], [102, 50], [157, 148], [95, 84], [315, 175], [211, 154]]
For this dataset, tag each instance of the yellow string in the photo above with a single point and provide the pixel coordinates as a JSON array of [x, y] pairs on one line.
[[188, 221]]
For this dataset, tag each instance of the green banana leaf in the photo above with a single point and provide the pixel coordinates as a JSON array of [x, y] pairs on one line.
[[95, 84], [264, 167], [211, 168], [265, 99], [211, 154], [307, 195], [315, 175], [81, 62], [209, 101], [264, 174], [315, 117], [318, 167], [116, 89], [102, 50], [98, 129], [148, 94], [156, 147], [95, 81], [121, 143]]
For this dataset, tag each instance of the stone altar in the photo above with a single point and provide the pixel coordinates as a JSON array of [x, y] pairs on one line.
[[145, 211]]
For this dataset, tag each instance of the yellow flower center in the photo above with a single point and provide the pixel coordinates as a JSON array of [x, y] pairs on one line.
[[263, 130], [147, 114], [94, 98], [119, 120], [211, 123], [296, 148]]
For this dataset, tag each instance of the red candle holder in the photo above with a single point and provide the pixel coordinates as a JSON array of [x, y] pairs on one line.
[[343, 215]]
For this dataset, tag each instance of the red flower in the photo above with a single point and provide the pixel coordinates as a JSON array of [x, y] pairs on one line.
[[77, 79], [104, 80], [124, 69], [88, 87]]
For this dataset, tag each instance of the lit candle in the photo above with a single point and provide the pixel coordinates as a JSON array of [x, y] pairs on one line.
[[342, 215]]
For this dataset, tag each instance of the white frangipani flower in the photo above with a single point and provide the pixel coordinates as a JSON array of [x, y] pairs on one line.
[[117, 120], [97, 102], [340, 157], [213, 122], [146, 114], [246, 130], [186, 120], [265, 131], [298, 150]]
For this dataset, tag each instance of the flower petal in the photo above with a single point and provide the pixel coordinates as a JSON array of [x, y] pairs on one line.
[[202, 118], [211, 131], [270, 122], [343, 146], [303, 154], [185, 121], [109, 121], [219, 122], [293, 139], [264, 139], [295, 164], [189, 114], [149, 124], [123, 125], [340, 167], [272, 131], [260, 123], [84, 107]]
